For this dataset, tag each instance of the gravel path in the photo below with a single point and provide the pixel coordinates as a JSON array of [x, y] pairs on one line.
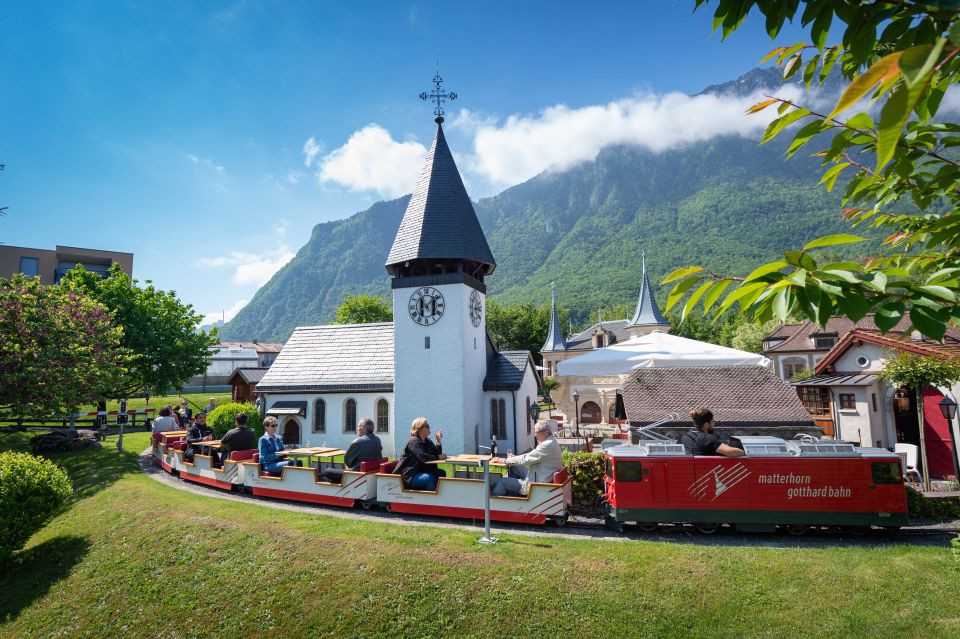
[[923, 533]]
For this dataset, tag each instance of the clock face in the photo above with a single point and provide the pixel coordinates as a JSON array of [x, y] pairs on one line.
[[426, 306], [476, 308]]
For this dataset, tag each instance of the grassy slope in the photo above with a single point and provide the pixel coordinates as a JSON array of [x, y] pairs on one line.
[[133, 557]]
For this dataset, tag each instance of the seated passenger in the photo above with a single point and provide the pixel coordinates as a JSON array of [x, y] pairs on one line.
[[165, 422], [199, 432], [412, 466], [239, 438], [702, 441], [366, 447], [268, 447], [538, 465]]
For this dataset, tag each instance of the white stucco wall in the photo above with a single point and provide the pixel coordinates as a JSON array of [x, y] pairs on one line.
[[847, 363], [444, 383], [335, 405]]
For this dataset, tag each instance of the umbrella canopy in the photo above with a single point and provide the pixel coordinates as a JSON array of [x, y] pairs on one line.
[[657, 350]]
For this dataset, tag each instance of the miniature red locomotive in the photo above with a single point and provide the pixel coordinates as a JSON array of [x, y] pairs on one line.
[[792, 484]]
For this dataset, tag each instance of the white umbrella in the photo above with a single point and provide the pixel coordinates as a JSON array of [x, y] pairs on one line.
[[657, 350]]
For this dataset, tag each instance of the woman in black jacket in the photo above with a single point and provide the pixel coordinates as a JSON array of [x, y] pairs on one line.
[[413, 468]]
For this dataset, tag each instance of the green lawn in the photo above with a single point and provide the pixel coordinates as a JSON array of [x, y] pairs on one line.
[[131, 557], [196, 401]]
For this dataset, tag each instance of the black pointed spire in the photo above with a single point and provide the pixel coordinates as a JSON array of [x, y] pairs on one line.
[[440, 223], [555, 341], [647, 312]]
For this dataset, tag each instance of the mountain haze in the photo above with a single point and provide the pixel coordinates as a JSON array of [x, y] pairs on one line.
[[726, 204]]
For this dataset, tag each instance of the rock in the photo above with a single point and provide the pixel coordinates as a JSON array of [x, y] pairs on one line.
[[64, 441]]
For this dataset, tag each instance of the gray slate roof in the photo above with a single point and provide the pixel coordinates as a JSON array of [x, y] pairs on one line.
[[582, 341], [505, 370], [555, 341], [737, 395], [440, 221], [334, 358], [249, 375], [647, 312]]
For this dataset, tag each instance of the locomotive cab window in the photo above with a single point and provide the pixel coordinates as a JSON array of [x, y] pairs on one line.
[[886, 473], [609, 469], [629, 471]]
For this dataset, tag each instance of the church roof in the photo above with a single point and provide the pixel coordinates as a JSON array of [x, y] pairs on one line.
[[440, 222], [505, 370], [334, 358], [647, 312], [555, 341]]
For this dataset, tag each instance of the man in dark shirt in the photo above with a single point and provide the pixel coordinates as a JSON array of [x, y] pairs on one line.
[[366, 447], [702, 441], [239, 438]]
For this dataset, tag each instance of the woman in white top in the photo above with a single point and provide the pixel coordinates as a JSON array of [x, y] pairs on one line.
[[165, 422]]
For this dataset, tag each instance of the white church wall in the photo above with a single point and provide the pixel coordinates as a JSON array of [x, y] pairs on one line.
[[444, 382], [334, 434]]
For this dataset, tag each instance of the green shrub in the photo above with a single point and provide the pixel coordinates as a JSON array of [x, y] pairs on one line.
[[942, 508], [223, 418], [586, 471], [31, 490]]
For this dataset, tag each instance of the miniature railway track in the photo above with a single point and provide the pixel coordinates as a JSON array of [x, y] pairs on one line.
[[577, 526]]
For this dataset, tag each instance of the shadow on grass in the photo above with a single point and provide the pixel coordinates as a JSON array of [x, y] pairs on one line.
[[32, 573], [93, 470]]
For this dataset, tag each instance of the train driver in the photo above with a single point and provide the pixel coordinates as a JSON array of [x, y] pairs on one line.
[[702, 441], [538, 465]]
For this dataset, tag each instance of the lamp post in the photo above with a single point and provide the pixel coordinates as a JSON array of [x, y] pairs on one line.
[[948, 408], [576, 410]]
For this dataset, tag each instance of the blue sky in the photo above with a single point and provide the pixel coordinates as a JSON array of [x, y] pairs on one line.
[[208, 138]]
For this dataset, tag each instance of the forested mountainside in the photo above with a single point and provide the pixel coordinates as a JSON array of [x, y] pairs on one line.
[[726, 204]]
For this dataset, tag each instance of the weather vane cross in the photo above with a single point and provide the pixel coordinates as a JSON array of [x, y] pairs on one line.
[[438, 96]]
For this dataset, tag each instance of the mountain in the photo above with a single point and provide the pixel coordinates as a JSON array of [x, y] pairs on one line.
[[726, 204]]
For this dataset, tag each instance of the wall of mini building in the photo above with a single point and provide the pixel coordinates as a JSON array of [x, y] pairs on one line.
[[335, 434]]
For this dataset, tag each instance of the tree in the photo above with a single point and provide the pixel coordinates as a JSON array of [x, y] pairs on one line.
[[59, 349], [521, 327], [363, 309], [905, 174], [159, 331], [749, 335]]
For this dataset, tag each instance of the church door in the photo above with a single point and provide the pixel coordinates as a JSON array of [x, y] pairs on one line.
[[291, 432]]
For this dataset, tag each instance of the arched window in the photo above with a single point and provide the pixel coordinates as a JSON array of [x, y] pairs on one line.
[[319, 416], [498, 418], [383, 416], [349, 415]]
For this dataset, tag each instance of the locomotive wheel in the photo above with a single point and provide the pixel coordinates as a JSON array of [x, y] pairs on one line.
[[648, 526], [559, 521], [613, 524], [707, 528], [796, 529]]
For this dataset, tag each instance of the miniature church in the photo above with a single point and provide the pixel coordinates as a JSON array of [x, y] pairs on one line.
[[434, 360]]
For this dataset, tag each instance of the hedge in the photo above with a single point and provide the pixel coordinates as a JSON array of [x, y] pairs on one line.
[[941, 508], [586, 471], [223, 418], [31, 490]]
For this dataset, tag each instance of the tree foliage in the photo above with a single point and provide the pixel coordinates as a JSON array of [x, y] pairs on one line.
[[223, 418], [901, 57], [159, 331], [59, 349], [31, 490], [520, 327], [913, 371], [364, 309]]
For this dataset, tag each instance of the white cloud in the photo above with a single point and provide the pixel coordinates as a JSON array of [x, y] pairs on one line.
[[311, 149], [205, 162], [372, 160], [281, 227], [558, 137], [226, 314], [294, 177], [250, 268]]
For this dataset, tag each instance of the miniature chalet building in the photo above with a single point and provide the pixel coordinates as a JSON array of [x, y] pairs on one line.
[[434, 360], [850, 402], [244, 382], [598, 395]]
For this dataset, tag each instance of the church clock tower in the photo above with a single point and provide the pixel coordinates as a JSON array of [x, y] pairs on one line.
[[438, 263]]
